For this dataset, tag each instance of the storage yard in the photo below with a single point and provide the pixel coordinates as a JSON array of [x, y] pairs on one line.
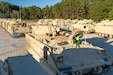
[[10, 46], [58, 37]]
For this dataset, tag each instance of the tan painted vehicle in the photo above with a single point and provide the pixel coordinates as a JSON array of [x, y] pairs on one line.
[[16, 28], [57, 51], [84, 25], [104, 28], [104, 31]]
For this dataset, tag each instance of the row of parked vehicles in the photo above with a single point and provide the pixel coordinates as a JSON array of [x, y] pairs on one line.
[[103, 28], [15, 27], [51, 43]]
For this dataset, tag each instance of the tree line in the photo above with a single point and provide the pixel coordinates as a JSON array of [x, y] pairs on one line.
[[67, 9]]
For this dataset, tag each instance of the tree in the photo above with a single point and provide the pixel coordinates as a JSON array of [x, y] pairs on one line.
[[72, 9], [15, 14], [101, 9], [66, 9], [56, 11], [25, 13], [34, 12], [46, 12]]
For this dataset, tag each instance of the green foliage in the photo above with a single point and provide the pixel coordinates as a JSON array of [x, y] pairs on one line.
[[46, 12], [2, 15], [56, 11], [66, 9], [8, 10], [101, 9], [34, 12], [25, 13]]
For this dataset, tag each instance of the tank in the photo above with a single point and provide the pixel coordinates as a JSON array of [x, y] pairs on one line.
[[58, 52]]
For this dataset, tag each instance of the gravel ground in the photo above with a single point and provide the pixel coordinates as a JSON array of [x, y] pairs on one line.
[[10, 46]]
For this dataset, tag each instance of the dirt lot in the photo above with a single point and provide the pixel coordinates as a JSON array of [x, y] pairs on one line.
[[10, 46]]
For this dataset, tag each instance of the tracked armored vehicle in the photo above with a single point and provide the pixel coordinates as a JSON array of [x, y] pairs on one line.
[[104, 28], [18, 28], [15, 27], [58, 53], [84, 25], [24, 65], [21, 65]]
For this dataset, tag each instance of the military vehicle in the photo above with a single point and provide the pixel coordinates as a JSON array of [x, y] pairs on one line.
[[104, 28], [56, 50], [15, 27], [3, 68], [21, 65], [24, 65], [84, 25], [104, 31]]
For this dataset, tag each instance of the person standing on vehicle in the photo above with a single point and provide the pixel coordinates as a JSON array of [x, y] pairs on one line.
[[77, 41]]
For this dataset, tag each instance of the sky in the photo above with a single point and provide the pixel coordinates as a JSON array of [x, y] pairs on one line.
[[27, 3]]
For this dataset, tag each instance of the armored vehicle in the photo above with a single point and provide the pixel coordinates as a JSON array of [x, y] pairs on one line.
[[3, 68], [57, 51], [15, 27], [84, 25], [18, 28], [21, 65], [104, 31], [104, 28], [24, 65]]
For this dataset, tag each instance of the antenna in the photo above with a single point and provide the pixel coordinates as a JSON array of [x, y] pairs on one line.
[[20, 10]]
